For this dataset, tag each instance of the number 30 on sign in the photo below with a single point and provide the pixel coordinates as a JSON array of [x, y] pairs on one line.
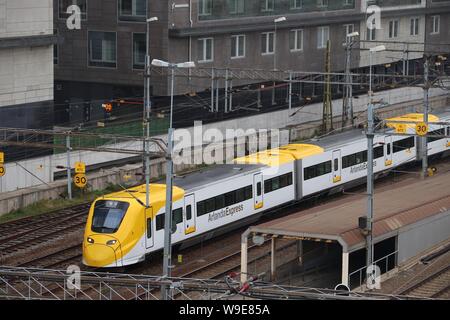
[[80, 180], [421, 128]]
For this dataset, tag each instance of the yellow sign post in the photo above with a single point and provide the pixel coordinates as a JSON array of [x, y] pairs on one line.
[[421, 128], [400, 128], [2, 167], [80, 180], [80, 167]]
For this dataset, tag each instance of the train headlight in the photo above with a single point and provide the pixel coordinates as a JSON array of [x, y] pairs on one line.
[[90, 240], [111, 242]]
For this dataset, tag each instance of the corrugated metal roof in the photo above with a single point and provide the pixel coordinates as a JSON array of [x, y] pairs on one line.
[[395, 206]]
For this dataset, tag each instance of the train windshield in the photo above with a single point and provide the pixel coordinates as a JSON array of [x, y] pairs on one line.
[[108, 215]]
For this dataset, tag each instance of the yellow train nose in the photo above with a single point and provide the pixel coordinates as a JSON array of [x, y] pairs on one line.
[[99, 255]]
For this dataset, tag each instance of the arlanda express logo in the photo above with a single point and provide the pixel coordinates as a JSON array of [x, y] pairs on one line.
[[225, 212]]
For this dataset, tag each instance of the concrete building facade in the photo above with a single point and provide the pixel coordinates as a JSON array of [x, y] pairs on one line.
[[26, 63], [105, 58]]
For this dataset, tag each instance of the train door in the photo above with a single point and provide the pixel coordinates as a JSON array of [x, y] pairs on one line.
[[388, 151], [189, 214], [257, 190], [149, 235], [337, 175]]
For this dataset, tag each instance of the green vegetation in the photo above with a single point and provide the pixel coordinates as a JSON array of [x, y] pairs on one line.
[[45, 206]]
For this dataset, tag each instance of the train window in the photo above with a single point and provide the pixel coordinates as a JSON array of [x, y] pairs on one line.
[[177, 216], [201, 210], [336, 164], [108, 216], [389, 146], [240, 195], [378, 152], [440, 132], [189, 212], [267, 186], [276, 183], [404, 144], [210, 205], [229, 199], [317, 170], [159, 222], [248, 192], [258, 189], [149, 228], [220, 202]]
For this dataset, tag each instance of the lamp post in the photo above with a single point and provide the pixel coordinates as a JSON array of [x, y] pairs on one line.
[[276, 21], [370, 135], [147, 111], [347, 112], [169, 175]]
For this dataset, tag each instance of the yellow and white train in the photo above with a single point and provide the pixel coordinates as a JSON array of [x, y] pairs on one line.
[[120, 231]]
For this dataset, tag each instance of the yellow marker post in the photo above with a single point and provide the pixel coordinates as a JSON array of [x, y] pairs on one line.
[[421, 129], [400, 128], [2, 170], [80, 180], [180, 258], [80, 167]]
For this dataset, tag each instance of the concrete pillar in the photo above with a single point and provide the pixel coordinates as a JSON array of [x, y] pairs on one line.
[[244, 256], [300, 252], [273, 266], [345, 261]]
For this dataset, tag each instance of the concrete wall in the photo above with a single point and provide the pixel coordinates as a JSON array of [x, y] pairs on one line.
[[423, 235], [26, 74]]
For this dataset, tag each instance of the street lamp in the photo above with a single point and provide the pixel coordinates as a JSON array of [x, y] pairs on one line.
[[275, 21], [347, 113], [169, 173], [147, 111], [370, 135]]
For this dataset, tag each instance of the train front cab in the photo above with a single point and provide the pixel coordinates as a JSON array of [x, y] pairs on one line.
[[102, 246]]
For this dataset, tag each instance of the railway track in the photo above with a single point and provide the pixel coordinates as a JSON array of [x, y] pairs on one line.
[[435, 285], [57, 260], [34, 232]]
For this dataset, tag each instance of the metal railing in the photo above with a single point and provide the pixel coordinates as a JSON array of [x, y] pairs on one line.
[[382, 263]]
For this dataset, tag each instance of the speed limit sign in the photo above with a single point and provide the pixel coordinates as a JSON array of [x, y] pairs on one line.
[[80, 180], [2, 170], [421, 128]]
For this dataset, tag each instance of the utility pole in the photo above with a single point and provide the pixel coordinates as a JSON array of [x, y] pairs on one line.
[[424, 140], [69, 168], [327, 120], [370, 184], [167, 254], [347, 108]]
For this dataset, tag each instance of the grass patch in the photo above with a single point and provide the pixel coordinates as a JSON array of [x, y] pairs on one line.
[[46, 206]]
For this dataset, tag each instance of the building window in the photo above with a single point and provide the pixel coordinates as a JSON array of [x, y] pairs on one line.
[[267, 5], [139, 50], [64, 4], [371, 34], [55, 48], [132, 10], [323, 35], [296, 4], [204, 7], [267, 42], [414, 28], [349, 28], [205, 50], [393, 29], [238, 46], [436, 24], [296, 40], [236, 6], [102, 49], [322, 3]]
